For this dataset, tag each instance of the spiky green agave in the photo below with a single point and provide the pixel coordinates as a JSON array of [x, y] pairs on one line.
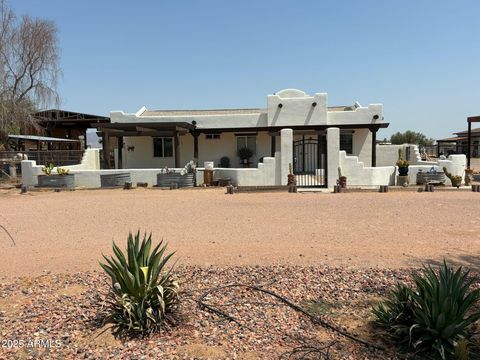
[[435, 314], [143, 292]]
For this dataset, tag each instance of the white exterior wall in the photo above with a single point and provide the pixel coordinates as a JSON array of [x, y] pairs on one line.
[[362, 145], [142, 157], [360, 175], [286, 154], [296, 108], [87, 174], [208, 150], [361, 115], [30, 169], [203, 121], [388, 155], [333, 162], [215, 149]]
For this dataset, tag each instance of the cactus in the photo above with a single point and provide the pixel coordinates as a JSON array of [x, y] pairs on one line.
[[455, 179], [291, 177], [401, 162]]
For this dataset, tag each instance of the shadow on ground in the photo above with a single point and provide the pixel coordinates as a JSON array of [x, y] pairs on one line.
[[466, 260]]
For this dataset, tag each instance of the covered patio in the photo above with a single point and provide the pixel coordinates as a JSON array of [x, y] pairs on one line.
[[165, 129]]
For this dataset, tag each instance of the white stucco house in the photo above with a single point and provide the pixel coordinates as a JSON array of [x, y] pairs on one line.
[[159, 138], [295, 132]]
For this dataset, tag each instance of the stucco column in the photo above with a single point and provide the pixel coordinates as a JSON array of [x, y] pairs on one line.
[[333, 157], [286, 155]]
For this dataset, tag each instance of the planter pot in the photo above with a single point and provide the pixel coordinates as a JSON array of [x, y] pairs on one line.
[[112, 180], [403, 171], [468, 177], [166, 180], [425, 177], [457, 183], [342, 181], [403, 180], [57, 181]]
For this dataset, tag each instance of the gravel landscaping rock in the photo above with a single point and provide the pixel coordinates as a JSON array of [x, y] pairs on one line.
[[68, 310]]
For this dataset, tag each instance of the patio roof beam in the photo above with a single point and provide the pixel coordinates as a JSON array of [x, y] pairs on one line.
[[295, 128]]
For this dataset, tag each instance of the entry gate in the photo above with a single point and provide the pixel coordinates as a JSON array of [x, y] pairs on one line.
[[310, 161]]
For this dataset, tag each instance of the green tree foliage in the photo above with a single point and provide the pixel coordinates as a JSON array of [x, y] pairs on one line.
[[410, 137]]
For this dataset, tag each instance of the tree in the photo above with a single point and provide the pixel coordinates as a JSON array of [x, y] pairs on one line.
[[410, 137], [29, 69]]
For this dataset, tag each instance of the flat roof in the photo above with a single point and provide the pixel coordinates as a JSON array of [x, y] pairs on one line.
[[64, 116], [246, 111], [465, 132]]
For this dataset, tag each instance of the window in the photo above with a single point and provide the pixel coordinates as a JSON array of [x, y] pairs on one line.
[[212, 136], [247, 141], [346, 143], [163, 147]]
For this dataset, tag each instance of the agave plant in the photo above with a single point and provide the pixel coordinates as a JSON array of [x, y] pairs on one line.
[[143, 294], [435, 315]]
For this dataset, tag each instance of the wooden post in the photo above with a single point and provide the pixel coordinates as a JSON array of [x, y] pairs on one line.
[[273, 145], [105, 146], [195, 145], [469, 143], [120, 152], [176, 144], [374, 147]]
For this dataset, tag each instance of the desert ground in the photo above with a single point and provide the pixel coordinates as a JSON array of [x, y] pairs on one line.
[[335, 255], [68, 231]]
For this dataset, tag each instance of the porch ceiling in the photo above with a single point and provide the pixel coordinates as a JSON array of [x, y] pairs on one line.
[[144, 129]]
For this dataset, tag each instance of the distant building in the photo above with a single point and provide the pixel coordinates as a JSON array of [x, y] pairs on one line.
[[458, 144]]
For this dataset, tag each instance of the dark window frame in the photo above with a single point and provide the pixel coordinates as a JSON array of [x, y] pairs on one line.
[[346, 143], [159, 148]]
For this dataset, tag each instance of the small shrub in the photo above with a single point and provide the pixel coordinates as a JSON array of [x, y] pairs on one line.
[[244, 153], [435, 315], [62, 171], [225, 162], [143, 294], [47, 170]]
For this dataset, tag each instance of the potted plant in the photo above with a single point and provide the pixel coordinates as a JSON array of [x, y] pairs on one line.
[[245, 154], [468, 176], [184, 178], [62, 178], [402, 164], [225, 162], [455, 179]]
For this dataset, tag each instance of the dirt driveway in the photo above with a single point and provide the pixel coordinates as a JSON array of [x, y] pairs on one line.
[[68, 231]]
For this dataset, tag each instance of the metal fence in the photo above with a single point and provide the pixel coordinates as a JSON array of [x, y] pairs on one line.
[[44, 157]]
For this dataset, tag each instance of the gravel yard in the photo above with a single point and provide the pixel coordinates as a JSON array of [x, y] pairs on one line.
[[334, 255], [67, 309]]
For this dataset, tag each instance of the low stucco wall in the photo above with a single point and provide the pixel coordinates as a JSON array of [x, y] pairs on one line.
[[359, 175], [273, 170], [387, 155], [30, 169], [455, 164], [266, 174]]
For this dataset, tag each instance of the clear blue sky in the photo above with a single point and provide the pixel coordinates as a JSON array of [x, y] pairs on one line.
[[421, 59]]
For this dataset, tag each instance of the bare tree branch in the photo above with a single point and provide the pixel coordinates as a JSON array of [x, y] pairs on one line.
[[29, 69]]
